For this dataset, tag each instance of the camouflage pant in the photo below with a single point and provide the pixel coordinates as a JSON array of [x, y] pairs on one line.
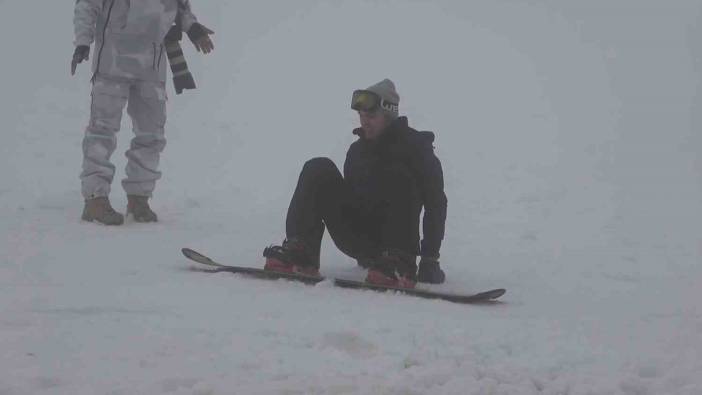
[[146, 105]]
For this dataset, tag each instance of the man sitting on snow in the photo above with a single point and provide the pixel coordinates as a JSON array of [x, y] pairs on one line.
[[372, 212]]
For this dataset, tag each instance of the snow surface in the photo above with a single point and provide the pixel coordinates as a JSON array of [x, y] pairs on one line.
[[570, 137]]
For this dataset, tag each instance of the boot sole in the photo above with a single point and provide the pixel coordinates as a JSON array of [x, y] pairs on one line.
[[87, 218], [103, 223], [141, 220]]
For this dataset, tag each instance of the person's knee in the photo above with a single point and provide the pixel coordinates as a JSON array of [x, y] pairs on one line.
[[320, 166], [149, 141], [320, 162], [147, 122], [105, 121]]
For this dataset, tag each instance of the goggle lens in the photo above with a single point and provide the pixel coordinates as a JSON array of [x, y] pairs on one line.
[[363, 100]]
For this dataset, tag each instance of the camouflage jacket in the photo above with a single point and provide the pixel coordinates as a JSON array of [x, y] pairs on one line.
[[129, 34]]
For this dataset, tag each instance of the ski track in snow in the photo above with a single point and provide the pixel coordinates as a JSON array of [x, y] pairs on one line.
[[562, 188]]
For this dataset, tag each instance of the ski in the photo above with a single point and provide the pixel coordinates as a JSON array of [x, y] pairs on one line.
[[481, 297]]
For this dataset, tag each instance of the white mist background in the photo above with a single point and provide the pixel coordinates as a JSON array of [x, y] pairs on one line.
[[570, 138]]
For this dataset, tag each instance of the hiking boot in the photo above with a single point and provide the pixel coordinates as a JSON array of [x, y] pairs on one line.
[[100, 210], [393, 268], [292, 257], [138, 207]]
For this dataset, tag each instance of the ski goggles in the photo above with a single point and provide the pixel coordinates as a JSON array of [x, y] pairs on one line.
[[364, 100]]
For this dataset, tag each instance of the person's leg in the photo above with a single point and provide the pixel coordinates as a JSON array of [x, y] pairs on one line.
[[147, 108], [321, 199], [397, 212], [100, 141]]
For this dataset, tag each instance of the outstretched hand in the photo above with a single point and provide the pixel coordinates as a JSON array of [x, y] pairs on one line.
[[81, 53], [200, 37]]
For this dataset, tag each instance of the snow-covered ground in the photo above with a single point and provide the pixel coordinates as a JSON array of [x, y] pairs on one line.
[[570, 134]]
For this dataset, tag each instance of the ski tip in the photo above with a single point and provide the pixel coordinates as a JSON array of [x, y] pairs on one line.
[[199, 258], [194, 255], [496, 293]]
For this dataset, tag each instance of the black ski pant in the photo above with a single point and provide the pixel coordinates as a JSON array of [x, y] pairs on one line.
[[385, 217]]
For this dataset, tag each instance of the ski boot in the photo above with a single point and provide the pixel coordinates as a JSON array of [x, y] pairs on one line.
[[393, 268], [292, 257], [100, 210]]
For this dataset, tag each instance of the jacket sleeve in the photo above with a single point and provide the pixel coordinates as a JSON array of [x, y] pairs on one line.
[[185, 17], [347, 162], [85, 19], [435, 203]]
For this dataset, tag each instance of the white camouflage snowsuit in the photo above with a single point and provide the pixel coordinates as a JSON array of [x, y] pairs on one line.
[[129, 65]]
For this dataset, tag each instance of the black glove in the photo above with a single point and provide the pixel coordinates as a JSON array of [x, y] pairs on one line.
[[81, 53], [430, 272], [200, 36]]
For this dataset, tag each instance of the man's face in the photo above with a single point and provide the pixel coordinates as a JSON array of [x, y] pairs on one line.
[[373, 123]]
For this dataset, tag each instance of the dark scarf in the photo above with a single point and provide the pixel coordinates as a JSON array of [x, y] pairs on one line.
[[182, 78]]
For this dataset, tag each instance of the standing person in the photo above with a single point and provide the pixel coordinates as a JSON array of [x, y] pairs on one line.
[[129, 68], [373, 211]]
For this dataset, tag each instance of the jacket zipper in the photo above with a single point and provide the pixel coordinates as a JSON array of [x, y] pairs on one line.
[[153, 64], [160, 56], [102, 46]]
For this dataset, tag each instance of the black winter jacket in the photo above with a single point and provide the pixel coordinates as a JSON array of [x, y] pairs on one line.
[[415, 150]]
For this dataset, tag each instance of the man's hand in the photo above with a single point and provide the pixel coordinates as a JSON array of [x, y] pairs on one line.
[[200, 36], [81, 53]]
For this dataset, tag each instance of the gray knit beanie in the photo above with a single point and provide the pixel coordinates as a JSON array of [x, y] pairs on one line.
[[386, 90]]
